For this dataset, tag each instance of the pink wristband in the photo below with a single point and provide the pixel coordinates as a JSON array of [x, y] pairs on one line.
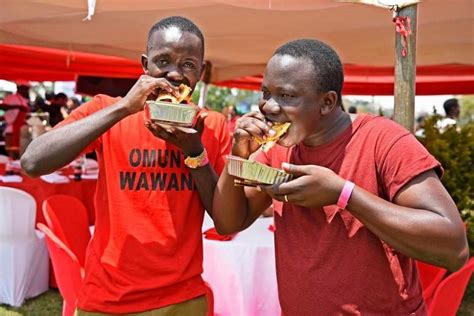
[[345, 194]]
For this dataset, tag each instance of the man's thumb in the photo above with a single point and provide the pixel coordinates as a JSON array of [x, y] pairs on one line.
[[295, 170]]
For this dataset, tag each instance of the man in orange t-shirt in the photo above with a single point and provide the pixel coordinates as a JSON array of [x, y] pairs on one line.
[[365, 200], [154, 184]]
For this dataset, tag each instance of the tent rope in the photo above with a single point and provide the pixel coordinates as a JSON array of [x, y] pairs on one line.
[[402, 27], [90, 10]]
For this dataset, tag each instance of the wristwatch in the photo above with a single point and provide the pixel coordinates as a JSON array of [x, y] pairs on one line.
[[198, 161]]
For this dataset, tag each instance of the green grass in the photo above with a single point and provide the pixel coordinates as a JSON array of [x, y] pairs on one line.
[[50, 304], [47, 304]]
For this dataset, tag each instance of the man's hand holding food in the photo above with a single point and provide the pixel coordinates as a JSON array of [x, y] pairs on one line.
[[249, 128], [146, 88], [312, 186]]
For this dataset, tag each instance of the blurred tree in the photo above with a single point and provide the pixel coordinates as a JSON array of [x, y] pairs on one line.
[[454, 149], [220, 97], [467, 109]]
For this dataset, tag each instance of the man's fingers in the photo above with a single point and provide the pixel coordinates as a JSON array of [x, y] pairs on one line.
[[241, 135], [255, 114], [155, 85], [282, 193], [158, 131], [296, 170], [253, 126], [290, 187]]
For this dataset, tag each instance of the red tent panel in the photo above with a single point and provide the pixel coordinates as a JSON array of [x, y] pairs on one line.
[[360, 80], [46, 64]]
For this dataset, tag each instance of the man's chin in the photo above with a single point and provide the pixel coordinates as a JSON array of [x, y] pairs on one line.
[[287, 141]]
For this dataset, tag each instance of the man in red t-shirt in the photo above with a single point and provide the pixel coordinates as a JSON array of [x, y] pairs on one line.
[[154, 184], [341, 249]]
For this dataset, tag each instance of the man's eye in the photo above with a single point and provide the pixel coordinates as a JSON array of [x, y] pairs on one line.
[[189, 65], [285, 95], [162, 62], [266, 95]]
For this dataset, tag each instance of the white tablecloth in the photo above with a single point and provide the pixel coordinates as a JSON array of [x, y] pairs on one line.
[[241, 272]]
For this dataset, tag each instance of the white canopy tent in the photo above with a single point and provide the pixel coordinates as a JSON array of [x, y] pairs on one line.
[[242, 34]]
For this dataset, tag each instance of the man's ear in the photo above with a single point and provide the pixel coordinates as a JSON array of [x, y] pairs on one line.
[[144, 60], [330, 102]]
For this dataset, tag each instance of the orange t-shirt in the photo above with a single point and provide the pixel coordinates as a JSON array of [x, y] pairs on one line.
[[146, 251]]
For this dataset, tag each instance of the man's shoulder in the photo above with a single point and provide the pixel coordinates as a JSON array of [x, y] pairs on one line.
[[101, 101], [375, 125], [97, 103]]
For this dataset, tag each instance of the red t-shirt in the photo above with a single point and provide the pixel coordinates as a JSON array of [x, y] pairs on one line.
[[146, 251], [329, 263]]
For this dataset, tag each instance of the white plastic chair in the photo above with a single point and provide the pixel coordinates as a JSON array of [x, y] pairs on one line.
[[24, 265]]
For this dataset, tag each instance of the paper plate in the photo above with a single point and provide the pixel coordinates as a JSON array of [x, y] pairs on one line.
[[254, 172], [173, 114]]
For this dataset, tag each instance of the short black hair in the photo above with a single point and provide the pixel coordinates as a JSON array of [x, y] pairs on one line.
[[329, 73], [181, 23], [352, 109], [449, 105], [49, 95], [60, 95]]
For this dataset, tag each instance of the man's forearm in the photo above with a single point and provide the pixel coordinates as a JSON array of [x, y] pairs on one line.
[[230, 207], [206, 181], [417, 233], [60, 146]]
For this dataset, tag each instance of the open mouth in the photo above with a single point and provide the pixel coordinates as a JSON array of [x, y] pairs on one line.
[[281, 129]]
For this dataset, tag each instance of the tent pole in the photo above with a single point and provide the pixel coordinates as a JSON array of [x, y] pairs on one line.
[[206, 78], [405, 72], [203, 95]]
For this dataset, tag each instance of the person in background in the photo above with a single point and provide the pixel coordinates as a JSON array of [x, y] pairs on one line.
[[154, 184], [55, 108], [365, 200], [420, 126], [37, 104], [49, 96], [452, 110], [352, 109], [72, 104], [16, 107], [231, 114]]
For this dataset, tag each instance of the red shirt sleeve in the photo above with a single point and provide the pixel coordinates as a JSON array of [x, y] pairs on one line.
[[402, 160], [225, 146], [216, 139], [96, 104]]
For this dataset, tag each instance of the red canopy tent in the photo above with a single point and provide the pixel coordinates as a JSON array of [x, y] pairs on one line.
[[46, 64], [366, 80]]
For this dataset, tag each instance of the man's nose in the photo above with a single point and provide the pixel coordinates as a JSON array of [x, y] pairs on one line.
[[270, 106], [175, 73]]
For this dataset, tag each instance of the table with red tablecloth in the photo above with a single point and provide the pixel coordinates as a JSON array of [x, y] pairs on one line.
[[83, 190]]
